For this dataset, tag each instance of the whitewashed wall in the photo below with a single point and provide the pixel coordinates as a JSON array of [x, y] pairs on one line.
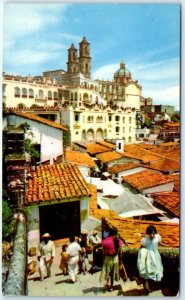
[[160, 188], [50, 138]]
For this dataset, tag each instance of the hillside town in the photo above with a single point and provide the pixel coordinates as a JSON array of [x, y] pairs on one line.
[[86, 155]]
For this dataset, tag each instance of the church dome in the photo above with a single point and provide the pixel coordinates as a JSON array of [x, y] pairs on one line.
[[122, 70]]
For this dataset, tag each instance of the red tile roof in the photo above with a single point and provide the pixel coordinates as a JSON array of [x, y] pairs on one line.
[[176, 179], [39, 119], [146, 179], [107, 144], [56, 182], [79, 158], [133, 230], [95, 148], [165, 165], [109, 156], [122, 167], [168, 200]]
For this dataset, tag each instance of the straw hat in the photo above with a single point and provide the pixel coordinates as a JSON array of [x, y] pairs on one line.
[[46, 235], [95, 232]]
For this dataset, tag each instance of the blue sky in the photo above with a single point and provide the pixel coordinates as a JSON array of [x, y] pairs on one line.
[[146, 37]]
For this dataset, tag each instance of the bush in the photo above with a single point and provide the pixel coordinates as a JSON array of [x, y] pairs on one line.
[[8, 223]]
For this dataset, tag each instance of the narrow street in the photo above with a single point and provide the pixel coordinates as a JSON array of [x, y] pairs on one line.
[[87, 285]]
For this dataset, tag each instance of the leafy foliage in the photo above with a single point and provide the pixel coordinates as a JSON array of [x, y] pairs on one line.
[[8, 223], [67, 137]]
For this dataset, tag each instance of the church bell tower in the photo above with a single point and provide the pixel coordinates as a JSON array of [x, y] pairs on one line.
[[84, 58], [72, 64]]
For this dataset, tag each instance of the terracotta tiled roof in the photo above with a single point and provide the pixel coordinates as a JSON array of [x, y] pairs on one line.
[[168, 200], [146, 179], [107, 144], [95, 149], [79, 158], [176, 179], [109, 156], [154, 153], [169, 144], [56, 182], [122, 167], [40, 120], [165, 165], [133, 230]]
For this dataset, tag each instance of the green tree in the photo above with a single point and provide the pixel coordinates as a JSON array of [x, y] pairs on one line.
[[8, 223], [67, 137]]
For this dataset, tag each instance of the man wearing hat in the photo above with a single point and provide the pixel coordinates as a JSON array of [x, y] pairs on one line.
[[95, 241], [46, 254]]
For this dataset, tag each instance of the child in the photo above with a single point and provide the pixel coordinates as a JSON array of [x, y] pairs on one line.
[[64, 259]]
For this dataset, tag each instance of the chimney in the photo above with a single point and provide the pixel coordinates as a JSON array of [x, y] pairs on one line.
[[120, 146]]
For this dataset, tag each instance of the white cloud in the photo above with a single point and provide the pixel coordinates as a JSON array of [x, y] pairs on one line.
[[105, 72], [23, 19], [166, 96]]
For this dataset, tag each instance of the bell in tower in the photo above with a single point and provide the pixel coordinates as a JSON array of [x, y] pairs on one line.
[[84, 58]]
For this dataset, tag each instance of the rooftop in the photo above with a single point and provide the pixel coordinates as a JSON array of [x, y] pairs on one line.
[[79, 158], [122, 167], [39, 119], [168, 200], [56, 182], [133, 230], [109, 156], [146, 179], [95, 148]]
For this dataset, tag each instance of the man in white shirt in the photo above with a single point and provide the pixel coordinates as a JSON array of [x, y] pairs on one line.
[[73, 251], [46, 254]]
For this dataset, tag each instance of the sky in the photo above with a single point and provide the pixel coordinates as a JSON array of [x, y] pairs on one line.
[[145, 36]]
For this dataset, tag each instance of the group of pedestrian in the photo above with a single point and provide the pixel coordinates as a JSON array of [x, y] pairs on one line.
[[74, 257]]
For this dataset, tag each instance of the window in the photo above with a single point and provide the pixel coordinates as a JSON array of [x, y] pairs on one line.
[[55, 95], [41, 94], [31, 93], [130, 129], [49, 95], [123, 129], [76, 97], [130, 119], [110, 118], [123, 119], [17, 92], [117, 129], [24, 93], [76, 117]]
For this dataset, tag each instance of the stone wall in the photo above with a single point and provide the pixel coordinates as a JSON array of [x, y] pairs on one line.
[[16, 283]]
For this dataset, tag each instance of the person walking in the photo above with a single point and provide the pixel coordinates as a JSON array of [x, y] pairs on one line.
[[45, 255], [64, 260], [149, 261], [83, 242], [110, 270], [73, 251], [95, 242]]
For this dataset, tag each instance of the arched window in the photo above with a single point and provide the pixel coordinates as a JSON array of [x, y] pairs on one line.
[[49, 95], [55, 95], [17, 92], [123, 129], [24, 93], [31, 93], [117, 118], [129, 139], [130, 128], [123, 119], [89, 119], [76, 96], [130, 119], [117, 129], [71, 96], [41, 94]]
